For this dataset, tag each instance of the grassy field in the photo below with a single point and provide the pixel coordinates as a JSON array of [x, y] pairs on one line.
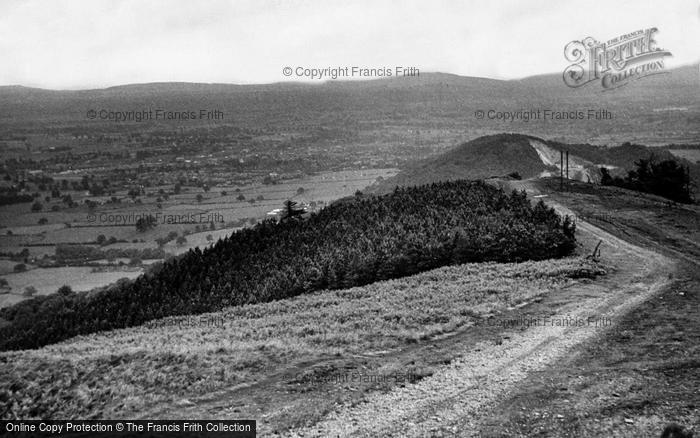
[[119, 374], [80, 278], [198, 240], [7, 266]]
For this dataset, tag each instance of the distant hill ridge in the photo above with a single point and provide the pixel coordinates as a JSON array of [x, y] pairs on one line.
[[657, 110], [687, 75]]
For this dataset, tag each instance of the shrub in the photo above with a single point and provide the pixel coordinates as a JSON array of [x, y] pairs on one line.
[[65, 290], [144, 224]]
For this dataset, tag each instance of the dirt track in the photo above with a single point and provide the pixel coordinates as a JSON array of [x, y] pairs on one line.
[[451, 401]]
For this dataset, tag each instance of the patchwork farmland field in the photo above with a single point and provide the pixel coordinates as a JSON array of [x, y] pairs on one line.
[[21, 230]]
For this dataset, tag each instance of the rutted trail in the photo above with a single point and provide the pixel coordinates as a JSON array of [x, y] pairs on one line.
[[451, 400]]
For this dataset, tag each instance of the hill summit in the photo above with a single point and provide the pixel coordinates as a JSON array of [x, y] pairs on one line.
[[484, 157]]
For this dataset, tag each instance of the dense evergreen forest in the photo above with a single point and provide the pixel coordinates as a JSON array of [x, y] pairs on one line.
[[352, 242]]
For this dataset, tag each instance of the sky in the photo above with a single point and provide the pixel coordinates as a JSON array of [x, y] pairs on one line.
[[77, 44]]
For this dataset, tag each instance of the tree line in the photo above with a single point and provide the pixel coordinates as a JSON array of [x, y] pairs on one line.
[[663, 178]]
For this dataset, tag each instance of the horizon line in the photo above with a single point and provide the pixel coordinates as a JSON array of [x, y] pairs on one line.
[[300, 82]]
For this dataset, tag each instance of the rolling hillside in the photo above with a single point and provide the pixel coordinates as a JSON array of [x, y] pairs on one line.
[[503, 154], [346, 244]]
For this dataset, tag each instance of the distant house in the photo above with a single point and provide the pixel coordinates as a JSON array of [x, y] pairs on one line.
[[278, 213], [274, 214]]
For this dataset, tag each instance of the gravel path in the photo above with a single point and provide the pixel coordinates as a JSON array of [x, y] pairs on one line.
[[450, 401]]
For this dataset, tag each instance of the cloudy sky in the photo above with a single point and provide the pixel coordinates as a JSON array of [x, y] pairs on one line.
[[96, 43]]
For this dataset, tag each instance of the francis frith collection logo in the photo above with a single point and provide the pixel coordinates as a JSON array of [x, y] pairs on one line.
[[616, 62]]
